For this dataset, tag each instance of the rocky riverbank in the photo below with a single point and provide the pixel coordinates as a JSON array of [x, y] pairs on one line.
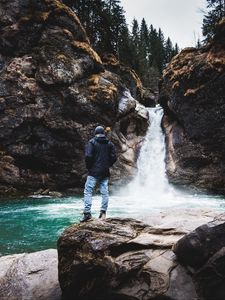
[[193, 96], [54, 90], [122, 259], [134, 258]]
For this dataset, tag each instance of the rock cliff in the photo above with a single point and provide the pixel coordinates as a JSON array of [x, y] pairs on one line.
[[193, 97], [54, 90]]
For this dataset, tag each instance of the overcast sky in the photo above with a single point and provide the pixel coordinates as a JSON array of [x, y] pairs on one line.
[[181, 20]]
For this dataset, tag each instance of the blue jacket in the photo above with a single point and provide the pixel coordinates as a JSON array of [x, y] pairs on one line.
[[100, 155]]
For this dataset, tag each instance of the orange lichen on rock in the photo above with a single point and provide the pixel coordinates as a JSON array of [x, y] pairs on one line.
[[176, 85], [110, 59], [85, 48], [191, 92], [93, 80], [136, 78], [98, 87], [58, 7]]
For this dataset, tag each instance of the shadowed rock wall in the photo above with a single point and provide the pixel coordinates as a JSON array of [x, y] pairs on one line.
[[193, 97], [54, 90]]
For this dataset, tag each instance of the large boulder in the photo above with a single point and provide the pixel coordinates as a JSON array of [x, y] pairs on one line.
[[120, 259], [54, 90], [202, 252], [193, 96], [30, 276]]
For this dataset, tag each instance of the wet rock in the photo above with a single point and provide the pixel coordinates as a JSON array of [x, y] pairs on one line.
[[150, 97], [202, 252], [54, 90], [46, 193], [30, 276], [126, 103], [182, 219], [197, 247], [130, 259], [192, 95], [210, 278]]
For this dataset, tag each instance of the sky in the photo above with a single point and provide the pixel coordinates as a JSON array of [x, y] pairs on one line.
[[181, 20]]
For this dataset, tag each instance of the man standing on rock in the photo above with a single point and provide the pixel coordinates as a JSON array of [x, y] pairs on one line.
[[100, 155]]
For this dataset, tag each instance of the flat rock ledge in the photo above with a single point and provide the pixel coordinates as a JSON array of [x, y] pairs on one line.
[[121, 259]]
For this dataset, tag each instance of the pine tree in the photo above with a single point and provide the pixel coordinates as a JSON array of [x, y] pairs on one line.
[[115, 24], [126, 51], [144, 51], [215, 14], [168, 51], [160, 51], [144, 48], [135, 44]]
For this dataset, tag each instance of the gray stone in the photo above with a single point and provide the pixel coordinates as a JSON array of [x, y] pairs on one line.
[[29, 276], [132, 260]]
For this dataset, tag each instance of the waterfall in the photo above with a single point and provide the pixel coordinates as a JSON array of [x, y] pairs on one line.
[[151, 181], [151, 166], [150, 189]]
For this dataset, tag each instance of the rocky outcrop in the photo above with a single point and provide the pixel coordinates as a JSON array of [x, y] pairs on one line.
[[132, 260], [30, 276], [202, 252], [54, 90], [193, 96], [121, 259]]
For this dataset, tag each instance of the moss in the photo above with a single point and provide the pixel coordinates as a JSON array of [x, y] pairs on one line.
[[137, 79], [191, 92], [38, 17], [176, 85], [86, 49], [106, 93], [93, 80], [61, 56], [58, 7], [110, 59]]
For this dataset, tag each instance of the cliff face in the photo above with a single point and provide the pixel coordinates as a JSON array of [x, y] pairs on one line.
[[54, 90], [193, 97]]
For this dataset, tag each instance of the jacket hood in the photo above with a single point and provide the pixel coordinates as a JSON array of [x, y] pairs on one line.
[[102, 139]]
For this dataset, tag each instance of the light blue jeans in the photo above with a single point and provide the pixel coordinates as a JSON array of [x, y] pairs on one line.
[[88, 191]]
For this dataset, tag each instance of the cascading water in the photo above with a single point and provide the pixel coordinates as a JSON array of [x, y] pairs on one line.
[[150, 188], [151, 177]]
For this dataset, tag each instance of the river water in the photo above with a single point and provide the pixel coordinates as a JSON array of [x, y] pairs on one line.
[[34, 224]]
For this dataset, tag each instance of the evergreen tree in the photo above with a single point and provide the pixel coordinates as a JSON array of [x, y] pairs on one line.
[[135, 42], [168, 51], [125, 49], [144, 48], [198, 44], [215, 14], [160, 51], [115, 25], [144, 51], [176, 49]]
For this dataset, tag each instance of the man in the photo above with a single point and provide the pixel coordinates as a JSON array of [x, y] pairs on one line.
[[100, 155]]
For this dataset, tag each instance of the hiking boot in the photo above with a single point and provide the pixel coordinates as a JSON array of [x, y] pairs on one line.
[[86, 217], [102, 215]]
